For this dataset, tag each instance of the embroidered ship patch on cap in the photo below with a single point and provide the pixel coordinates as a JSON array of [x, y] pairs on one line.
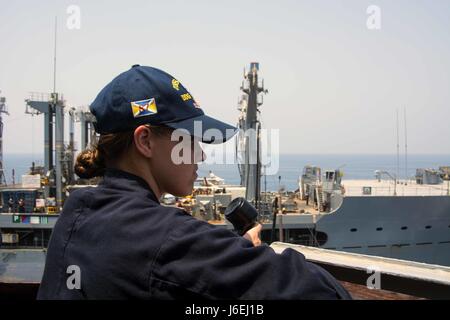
[[144, 107]]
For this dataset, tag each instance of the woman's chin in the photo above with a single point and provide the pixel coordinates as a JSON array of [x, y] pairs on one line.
[[182, 193]]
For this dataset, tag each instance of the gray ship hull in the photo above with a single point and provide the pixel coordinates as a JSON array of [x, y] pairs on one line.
[[413, 228]]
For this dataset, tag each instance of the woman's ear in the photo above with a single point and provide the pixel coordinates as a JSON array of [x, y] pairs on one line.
[[143, 140]]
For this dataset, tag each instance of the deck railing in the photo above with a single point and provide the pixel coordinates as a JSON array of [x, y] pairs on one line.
[[401, 190], [371, 277]]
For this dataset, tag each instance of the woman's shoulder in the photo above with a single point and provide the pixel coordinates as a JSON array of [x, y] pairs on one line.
[[79, 196]]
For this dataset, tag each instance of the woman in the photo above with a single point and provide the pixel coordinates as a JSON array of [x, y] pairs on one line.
[[115, 241]]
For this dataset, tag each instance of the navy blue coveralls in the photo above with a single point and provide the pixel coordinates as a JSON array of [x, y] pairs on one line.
[[127, 245]]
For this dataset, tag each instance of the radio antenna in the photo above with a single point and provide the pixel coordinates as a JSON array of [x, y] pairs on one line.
[[406, 149], [54, 57], [398, 150]]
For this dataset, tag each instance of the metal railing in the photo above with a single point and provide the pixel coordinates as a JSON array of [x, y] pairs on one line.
[[398, 276], [40, 96], [402, 190]]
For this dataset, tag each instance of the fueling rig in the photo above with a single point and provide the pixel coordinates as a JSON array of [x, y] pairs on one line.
[[31, 208]]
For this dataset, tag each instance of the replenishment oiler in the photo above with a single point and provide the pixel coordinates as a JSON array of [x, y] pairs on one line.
[[386, 217]]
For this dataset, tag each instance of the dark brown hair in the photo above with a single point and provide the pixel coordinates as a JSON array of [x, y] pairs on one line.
[[93, 161]]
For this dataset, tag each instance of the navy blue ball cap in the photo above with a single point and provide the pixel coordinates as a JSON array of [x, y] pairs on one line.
[[146, 95]]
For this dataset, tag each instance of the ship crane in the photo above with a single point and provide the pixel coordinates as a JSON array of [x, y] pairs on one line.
[[86, 119], [60, 172], [52, 106]]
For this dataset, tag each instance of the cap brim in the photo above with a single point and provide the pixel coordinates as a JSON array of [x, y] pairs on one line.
[[206, 129]]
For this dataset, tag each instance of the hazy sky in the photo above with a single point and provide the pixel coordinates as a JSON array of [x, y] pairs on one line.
[[334, 85]]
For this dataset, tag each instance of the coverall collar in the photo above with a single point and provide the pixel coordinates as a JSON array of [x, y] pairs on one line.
[[127, 181]]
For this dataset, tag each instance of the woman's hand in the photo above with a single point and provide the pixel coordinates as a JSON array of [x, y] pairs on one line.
[[254, 235]]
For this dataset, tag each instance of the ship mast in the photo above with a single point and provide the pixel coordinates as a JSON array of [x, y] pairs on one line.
[[4, 110], [248, 144]]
